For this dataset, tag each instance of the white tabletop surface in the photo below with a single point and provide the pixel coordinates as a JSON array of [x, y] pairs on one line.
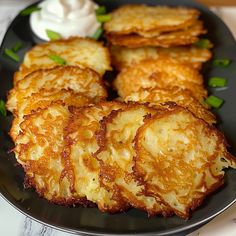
[[13, 223]]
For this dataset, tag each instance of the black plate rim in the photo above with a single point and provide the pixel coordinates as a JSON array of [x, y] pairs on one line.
[[175, 230]]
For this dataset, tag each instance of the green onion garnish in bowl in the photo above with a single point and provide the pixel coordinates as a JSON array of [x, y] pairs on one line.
[[214, 101], [217, 82]]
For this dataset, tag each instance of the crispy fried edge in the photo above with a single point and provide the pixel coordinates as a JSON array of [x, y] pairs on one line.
[[141, 175], [195, 14], [121, 204], [106, 172]]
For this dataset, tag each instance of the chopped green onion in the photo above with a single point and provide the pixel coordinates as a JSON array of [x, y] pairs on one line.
[[203, 43], [214, 101], [29, 10], [57, 59], [52, 35], [17, 47], [103, 18], [221, 62], [12, 54], [3, 108], [101, 10], [217, 82], [98, 33]]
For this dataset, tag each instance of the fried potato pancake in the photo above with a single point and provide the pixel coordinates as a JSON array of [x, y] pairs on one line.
[[116, 157], [181, 97], [38, 149], [163, 73], [43, 99], [170, 39], [79, 80], [81, 143], [81, 52], [122, 57], [180, 158], [143, 19]]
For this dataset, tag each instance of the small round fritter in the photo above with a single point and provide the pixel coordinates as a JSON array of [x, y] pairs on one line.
[[181, 97], [116, 157], [163, 73], [143, 19], [176, 38], [81, 143], [81, 52], [122, 57], [43, 99], [180, 158], [38, 149], [79, 80]]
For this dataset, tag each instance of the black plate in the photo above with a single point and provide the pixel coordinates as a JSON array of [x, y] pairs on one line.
[[92, 221]]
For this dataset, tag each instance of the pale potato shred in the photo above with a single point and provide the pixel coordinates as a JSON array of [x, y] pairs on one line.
[[156, 149]]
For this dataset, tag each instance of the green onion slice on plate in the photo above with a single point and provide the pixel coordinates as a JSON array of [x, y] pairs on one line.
[[3, 108], [217, 82], [29, 10], [98, 33], [11, 54], [221, 62], [17, 46], [57, 59], [214, 101], [52, 35], [101, 10], [203, 43], [103, 18]]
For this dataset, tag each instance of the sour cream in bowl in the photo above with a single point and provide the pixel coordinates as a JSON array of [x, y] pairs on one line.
[[66, 17]]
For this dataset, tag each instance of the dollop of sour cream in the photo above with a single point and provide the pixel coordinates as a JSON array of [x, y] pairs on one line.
[[66, 17]]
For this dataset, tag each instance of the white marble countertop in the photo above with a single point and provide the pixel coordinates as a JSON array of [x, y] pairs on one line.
[[13, 223]]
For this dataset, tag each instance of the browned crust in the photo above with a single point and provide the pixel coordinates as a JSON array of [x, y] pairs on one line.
[[195, 14], [141, 175], [68, 202], [120, 63], [71, 39], [120, 205], [164, 40], [107, 171]]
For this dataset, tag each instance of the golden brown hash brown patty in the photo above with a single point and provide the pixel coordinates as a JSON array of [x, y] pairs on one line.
[[181, 159], [80, 138], [181, 97], [163, 73], [116, 157], [81, 52], [43, 99], [38, 149], [169, 39], [85, 81], [142, 19], [122, 57]]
